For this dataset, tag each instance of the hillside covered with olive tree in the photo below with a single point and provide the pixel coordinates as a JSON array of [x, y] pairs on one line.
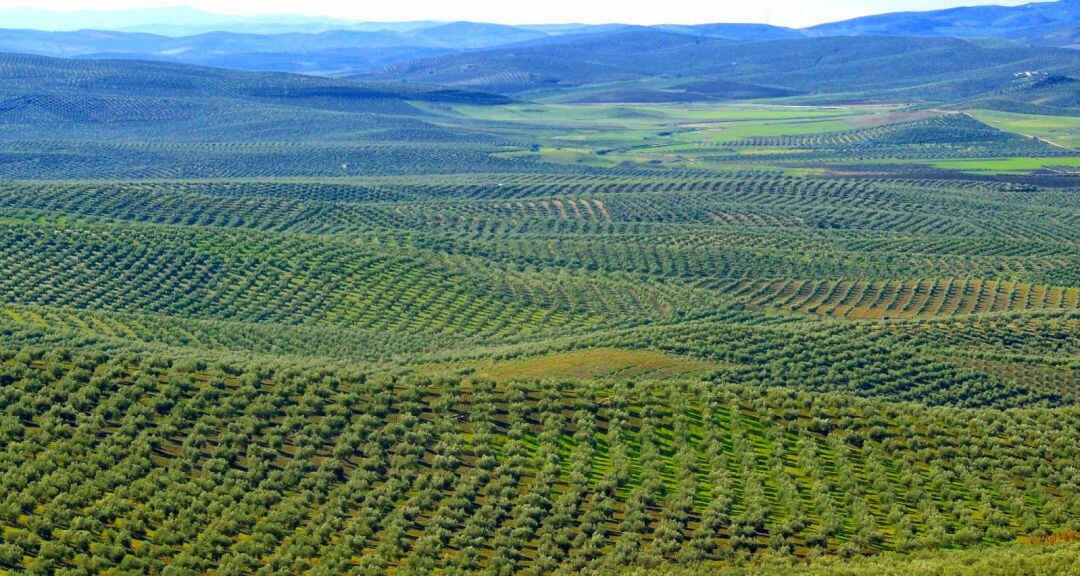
[[680, 300]]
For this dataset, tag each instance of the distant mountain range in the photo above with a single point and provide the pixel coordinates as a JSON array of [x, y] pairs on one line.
[[316, 53], [978, 52], [334, 51], [176, 21], [320, 45], [1040, 23]]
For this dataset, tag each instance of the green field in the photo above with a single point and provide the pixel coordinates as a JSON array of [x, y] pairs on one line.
[[1012, 165], [726, 136], [1060, 130]]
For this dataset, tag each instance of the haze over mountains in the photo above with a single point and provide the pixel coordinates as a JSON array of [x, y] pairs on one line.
[[1033, 22], [319, 45], [177, 21], [1004, 57]]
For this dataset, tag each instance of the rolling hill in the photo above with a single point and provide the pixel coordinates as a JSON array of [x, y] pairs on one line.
[[736, 31], [511, 58], [182, 21], [1039, 23], [691, 301], [939, 67], [1055, 95], [326, 46], [332, 51], [123, 98], [319, 53]]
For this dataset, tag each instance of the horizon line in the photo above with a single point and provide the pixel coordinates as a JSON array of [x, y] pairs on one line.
[[344, 21]]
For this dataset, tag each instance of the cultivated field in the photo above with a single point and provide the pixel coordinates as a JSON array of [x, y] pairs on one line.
[[255, 324]]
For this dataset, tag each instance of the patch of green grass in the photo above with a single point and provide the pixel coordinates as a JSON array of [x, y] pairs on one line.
[[600, 126], [589, 364], [1059, 130], [1018, 165]]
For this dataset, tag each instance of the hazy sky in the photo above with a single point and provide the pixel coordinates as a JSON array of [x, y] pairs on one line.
[[780, 12]]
